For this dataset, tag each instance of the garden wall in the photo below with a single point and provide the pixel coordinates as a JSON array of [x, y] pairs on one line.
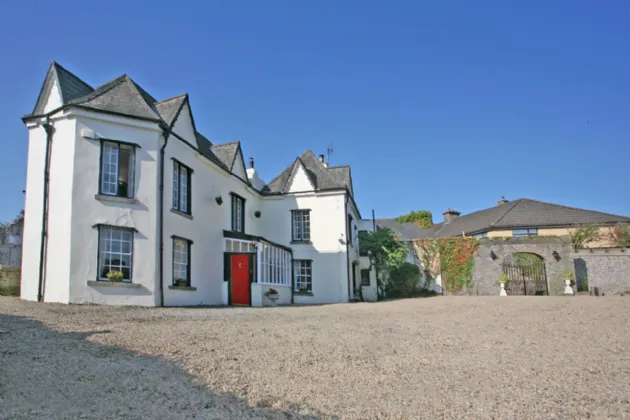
[[607, 271], [10, 281]]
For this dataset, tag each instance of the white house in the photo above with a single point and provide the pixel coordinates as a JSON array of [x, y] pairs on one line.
[[118, 181]]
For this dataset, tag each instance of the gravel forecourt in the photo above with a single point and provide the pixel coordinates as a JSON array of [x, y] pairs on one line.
[[433, 358]]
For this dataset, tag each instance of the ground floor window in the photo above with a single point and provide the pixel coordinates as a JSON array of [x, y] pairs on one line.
[[181, 262], [303, 271], [365, 277], [115, 252], [275, 265]]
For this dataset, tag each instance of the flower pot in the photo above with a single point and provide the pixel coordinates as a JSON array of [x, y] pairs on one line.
[[502, 292], [272, 299], [568, 290]]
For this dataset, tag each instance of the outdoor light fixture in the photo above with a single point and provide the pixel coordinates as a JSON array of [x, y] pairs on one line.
[[556, 255], [493, 255], [257, 214], [218, 199]]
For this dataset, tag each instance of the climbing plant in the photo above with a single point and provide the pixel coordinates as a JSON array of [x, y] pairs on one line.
[[422, 218], [385, 253], [451, 257]]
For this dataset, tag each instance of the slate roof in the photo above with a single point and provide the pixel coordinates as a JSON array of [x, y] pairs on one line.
[[520, 213], [226, 152], [322, 177], [168, 108], [405, 231], [70, 87]]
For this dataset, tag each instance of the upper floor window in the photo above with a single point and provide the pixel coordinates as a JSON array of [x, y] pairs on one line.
[[238, 213], [181, 187], [301, 225], [362, 235], [480, 235], [115, 252], [349, 233], [117, 169], [524, 233]]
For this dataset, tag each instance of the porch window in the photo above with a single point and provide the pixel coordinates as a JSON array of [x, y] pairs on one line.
[[238, 213], [303, 271], [115, 251], [524, 233], [275, 265], [365, 277], [181, 261], [181, 187], [117, 169], [301, 225]]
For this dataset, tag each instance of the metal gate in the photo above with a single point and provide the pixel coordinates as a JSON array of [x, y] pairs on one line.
[[526, 279]]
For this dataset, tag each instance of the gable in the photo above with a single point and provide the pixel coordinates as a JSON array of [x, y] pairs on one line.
[[53, 101], [238, 168], [300, 181], [184, 125]]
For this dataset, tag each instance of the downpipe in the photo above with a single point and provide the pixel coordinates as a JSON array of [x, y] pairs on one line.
[[44, 238]]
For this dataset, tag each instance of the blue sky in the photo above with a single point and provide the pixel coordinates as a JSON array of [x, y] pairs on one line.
[[433, 104]]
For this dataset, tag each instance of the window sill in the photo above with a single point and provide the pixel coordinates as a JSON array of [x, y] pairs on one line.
[[115, 199], [188, 288], [181, 213], [294, 242], [107, 283], [302, 293]]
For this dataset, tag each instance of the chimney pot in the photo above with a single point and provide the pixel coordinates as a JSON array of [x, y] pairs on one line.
[[251, 162], [502, 200], [321, 158]]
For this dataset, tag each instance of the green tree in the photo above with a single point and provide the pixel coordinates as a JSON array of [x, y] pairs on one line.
[[422, 218], [4, 232], [386, 254], [584, 235]]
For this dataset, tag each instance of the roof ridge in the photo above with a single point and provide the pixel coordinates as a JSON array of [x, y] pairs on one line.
[[514, 204], [226, 144], [338, 167], [171, 98], [57, 65]]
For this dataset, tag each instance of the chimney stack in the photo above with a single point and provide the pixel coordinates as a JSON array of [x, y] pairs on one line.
[[321, 158], [449, 215], [251, 162], [502, 200]]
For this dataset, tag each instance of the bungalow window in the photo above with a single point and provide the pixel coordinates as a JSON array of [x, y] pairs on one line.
[[365, 277], [181, 187], [117, 169], [524, 233], [301, 225], [115, 252], [238, 213], [303, 272], [480, 235], [362, 235], [181, 262]]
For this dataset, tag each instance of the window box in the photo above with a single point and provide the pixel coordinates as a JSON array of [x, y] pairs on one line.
[[186, 215], [107, 283], [302, 293], [185, 288], [301, 243]]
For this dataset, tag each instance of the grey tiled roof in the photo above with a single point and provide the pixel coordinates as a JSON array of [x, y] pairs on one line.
[[168, 108], [70, 87], [521, 213], [322, 177], [226, 152], [405, 231]]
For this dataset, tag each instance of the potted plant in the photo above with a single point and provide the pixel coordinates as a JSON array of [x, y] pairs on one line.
[[181, 283], [503, 278], [115, 275], [568, 279], [273, 295]]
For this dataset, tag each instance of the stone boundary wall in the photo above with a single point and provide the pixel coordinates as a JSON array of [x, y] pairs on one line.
[[607, 270], [10, 281]]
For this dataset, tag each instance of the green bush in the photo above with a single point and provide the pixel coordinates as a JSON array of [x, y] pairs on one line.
[[9, 290], [403, 281]]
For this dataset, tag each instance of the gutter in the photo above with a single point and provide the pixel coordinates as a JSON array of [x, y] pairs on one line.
[[44, 239], [161, 217]]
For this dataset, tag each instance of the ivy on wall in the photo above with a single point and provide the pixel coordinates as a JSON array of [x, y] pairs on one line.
[[422, 218], [452, 257]]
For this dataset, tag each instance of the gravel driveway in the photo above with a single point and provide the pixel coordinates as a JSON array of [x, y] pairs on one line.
[[443, 357]]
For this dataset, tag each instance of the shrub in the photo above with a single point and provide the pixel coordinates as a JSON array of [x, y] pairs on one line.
[[403, 281]]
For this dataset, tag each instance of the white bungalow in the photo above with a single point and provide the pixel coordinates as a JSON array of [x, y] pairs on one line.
[[120, 182]]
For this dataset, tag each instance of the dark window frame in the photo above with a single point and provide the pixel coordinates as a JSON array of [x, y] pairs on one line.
[[177, 165], [369, 281], [189, 244], [233, 215], [133, 231], [294, 213], [349, 228], [118, 144]]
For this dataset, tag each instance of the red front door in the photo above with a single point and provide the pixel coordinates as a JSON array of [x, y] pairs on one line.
[[240, 279]]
